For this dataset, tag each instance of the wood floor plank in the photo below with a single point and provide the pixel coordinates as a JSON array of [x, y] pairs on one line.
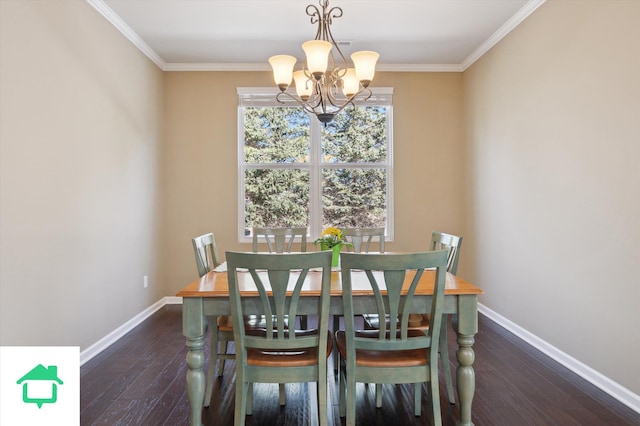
[[140, 380]]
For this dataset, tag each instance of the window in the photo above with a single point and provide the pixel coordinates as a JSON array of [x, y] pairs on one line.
[[293, 171]]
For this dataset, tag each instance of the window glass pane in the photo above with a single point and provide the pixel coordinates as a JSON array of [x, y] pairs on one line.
[[276, 198], [354, 197], [276, 135], [356, 135]]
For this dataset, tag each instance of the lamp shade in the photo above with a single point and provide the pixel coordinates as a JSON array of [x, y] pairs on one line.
[[282, 70], [317, 53], [350, 83], [304, 87], [365, 63]]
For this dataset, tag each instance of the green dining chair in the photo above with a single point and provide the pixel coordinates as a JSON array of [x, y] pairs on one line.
[[439, 241], [221, 328], [221, 332], [362, 240], [394, 353], [273, 283], [280, 240], [452, 243], [442, 241]]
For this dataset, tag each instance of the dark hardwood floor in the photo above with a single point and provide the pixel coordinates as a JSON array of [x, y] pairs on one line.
[[140, 380]]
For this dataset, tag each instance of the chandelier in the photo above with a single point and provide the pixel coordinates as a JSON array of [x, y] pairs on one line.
[[327, 82]]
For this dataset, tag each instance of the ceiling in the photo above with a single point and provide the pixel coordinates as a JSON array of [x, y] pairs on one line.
[[410, 35]]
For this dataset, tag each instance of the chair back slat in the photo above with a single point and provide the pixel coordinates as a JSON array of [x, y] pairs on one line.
[[280, 240], [264, 298], [206, 253], [362, 239]]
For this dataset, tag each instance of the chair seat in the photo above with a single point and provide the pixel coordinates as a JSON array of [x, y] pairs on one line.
[[387, 359], [250, 321], [292, 358], [372, 321]]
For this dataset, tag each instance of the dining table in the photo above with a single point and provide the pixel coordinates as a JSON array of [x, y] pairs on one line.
[[209, 296]]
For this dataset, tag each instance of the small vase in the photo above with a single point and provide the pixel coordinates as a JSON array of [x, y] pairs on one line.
[[335, 258]]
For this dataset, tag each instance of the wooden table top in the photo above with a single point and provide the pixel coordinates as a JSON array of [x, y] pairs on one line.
[[215, 284]]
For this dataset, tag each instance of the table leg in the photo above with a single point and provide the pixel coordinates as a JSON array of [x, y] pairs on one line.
[[466, 325], [193, 326]]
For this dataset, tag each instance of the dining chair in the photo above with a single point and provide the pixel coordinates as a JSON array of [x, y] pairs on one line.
[[394, 353], [364, 236], [273, 283], [362, 240], [452, 243], [220, 328], [442, 241], [280, 240], [439, 241]]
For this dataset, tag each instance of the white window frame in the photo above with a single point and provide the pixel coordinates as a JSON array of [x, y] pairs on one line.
[[265, 97]]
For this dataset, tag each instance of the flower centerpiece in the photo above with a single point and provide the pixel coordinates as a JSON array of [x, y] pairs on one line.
[[332, 239]]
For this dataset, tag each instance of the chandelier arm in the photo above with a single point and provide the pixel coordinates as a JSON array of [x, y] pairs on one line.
[[340, 108], [324, 95], [332, 14], [342, 103], [316, 17], [313, 11], [305, 106], [333, 99], [315, 100], [329, 36], [366, 90]]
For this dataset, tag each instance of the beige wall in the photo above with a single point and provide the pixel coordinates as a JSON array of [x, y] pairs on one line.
[[552, 119], [80, 133], [201, 162]]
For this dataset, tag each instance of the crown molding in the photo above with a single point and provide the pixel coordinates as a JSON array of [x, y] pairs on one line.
[[177, 66], [115, 20], [419, 67], [265, 67], [505, 29]]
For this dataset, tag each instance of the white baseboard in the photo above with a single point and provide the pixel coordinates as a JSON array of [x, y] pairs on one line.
[[116, 334], [607, 385]]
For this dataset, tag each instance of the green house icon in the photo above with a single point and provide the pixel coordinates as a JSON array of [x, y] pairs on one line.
[[41, 375]]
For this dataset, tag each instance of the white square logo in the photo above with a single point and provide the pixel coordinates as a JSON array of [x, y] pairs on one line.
[[40, 385]]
